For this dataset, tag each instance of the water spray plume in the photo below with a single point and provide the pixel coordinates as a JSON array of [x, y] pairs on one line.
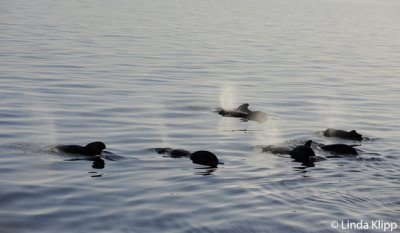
[[161, 124], [227, 97], [44, 122]]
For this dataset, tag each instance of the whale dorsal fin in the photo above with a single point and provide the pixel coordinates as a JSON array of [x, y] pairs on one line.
[[244, 107], [308, 143]]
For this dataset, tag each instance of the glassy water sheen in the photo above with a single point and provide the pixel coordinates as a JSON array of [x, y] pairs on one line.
[[142, 74]]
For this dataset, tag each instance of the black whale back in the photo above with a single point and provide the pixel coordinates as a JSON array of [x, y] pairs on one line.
[[340, 149], [303, 153], [205, 158], [95, 148], [91, 149], [352, 135]]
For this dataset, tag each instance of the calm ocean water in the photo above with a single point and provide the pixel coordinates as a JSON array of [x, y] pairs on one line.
[[143, 74]]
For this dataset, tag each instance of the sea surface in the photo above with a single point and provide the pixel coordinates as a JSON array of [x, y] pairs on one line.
[[142, 74]]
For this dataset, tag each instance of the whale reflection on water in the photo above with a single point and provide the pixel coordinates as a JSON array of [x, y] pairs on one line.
[[98, 163]]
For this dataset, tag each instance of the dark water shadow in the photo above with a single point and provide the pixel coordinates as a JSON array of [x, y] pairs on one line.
[[302, 169], [311, 163], [206, 171], [305, 166], [97, 162], [95, 174]]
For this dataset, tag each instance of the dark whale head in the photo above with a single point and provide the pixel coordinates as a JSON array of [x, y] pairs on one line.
[[303, 153], [91, 149], [205, 158], [352, 135], [308, 143], [94, 148]]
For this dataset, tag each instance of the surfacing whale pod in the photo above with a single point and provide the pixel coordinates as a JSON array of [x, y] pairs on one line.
[[351, 135], [91, 149]]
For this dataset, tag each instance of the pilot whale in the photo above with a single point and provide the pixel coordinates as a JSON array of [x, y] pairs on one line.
[[91, 149], [340, 149], [201, 157], [244, 112], [351, 135], [303, 153]]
